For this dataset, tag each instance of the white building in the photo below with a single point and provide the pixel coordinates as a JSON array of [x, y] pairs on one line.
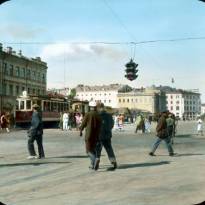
[[106, 94], [202, 109], [184, 104]]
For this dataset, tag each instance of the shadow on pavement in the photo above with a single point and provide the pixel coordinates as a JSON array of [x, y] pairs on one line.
[[31, 163], [128, 166], [188, 154], [183, 136], [70, 156]]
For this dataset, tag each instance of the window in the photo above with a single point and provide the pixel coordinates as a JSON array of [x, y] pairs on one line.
[[123, 100], [11, 70], [5, 69], [119, 100], [28, 74], [28, 104], [17, 74], [171, 108], [109, 101], [128, 100], [177, 107], [17, 90], [21, 105], [177, 102], [11, 90]]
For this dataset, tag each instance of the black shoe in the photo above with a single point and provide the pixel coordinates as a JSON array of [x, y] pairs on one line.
[[152, 154], [114, 165], [172, 154], [96, 165]]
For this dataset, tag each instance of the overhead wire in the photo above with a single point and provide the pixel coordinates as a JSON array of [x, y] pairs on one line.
[[105, 42]]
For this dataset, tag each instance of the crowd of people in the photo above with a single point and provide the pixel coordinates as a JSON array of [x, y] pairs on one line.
[[98, 125], [70, 120]]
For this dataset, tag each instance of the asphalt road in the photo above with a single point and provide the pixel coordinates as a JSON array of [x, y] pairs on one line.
[[63, 177]]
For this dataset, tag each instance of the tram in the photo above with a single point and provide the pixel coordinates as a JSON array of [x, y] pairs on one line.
[[51, 107]]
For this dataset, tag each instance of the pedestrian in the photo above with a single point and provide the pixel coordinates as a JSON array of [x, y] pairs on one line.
[[78, 119], [140, 124], [162, 134], [61, 121], [116, 122], [105, 137], [65, 121], [199, 127], [91, 123], [170, 127], [35, 133], [5, 121], [147, 125], [121, 122]]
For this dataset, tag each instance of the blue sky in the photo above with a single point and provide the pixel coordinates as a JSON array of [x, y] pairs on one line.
[[58, 23]]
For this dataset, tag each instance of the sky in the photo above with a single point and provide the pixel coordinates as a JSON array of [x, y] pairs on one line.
[[90, 41]]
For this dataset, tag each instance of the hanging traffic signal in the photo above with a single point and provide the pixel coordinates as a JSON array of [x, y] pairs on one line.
[[2, 1], [131, 70]]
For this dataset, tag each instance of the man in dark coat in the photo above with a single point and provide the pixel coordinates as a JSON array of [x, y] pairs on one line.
[[162, 134], [92, 123], [36, 133], [105, 137]]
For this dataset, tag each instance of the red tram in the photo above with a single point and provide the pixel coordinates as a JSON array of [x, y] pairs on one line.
[[51, 107]]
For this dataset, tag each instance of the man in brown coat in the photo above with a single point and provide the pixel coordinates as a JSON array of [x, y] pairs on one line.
[[162, 134], [92, 123]]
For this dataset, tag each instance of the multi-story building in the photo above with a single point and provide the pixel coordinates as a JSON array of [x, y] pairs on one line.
[[19, 73], [106, 94], [145, 99], [184, 104], [202, 109]]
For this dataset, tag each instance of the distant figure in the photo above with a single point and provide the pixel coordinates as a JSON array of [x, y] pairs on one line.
[[61, 121], [147, 125], [92, 124], [105, 137], [116, 122], [5, 121], [171, 127], [199, 127], [140, 124], [65, 121], [35, 133], [78, 119], [162, 134], [120, 122]]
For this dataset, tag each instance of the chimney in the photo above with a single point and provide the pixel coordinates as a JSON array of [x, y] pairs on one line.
[[9, 50]]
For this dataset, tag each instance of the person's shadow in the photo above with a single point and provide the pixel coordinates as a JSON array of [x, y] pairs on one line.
[[147, 164], [202, 203]]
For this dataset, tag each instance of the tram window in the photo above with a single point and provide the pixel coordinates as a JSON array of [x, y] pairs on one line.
[[65, 106], [55, 106], [46, 106], [28, 104], [22, 105], [51, 106], [17, 105], [59, 107]]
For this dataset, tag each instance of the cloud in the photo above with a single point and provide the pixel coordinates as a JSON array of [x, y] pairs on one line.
[[80, 51], [21, 31]]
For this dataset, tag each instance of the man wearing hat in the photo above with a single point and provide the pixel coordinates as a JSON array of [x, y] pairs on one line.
[[162, 134], [36, 133], [92, 123]]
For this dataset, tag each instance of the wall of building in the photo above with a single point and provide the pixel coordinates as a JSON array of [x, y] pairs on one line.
[[19, 73]]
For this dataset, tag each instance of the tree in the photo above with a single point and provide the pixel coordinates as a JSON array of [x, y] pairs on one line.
[[72, 93]]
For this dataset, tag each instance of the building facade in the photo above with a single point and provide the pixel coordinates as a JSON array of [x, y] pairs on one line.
[[184, 104], [145, 100], [17, 74]]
